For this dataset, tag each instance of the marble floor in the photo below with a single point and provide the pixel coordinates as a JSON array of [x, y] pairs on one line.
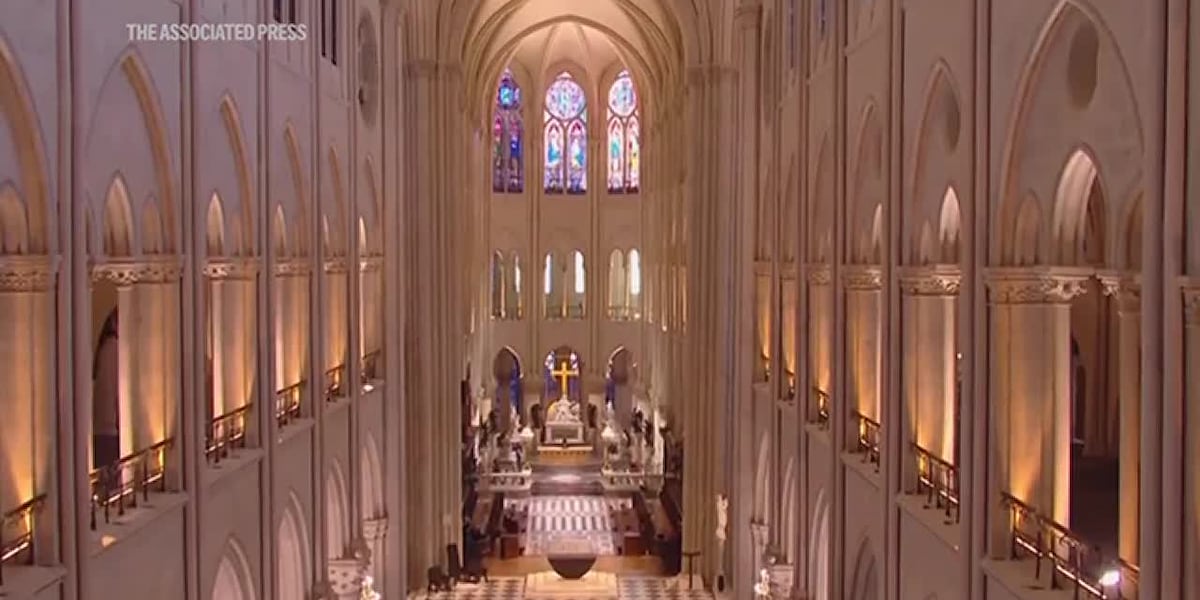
[[610, 587], [555, 519]]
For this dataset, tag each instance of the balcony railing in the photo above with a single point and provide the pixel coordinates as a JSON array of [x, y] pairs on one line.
[[225, 433], [16, 532], [287, 404], [868, 439], [334, 378], [937, 480], [623, 313], [821, 412], [115, 487], [1071, 563], [370, 370]]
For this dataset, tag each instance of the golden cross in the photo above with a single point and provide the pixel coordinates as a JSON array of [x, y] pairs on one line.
[[563, 373]]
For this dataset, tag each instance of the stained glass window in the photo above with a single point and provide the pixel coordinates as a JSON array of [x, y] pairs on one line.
[[565, 128], [624, 136], [507, 163]]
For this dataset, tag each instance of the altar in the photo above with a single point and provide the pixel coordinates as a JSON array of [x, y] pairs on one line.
[[564, 416]]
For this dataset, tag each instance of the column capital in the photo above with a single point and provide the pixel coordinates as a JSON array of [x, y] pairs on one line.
[[375, 529], [368, 264], [1126, 288], [1035, 285], [862, 277], [1190, 286], [236, 269], [335, 265], [27, 273], [346, 577], [932, 280], [818, 273], [292, 268], [126, 272]]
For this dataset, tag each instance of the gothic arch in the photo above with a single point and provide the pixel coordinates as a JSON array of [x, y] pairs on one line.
[[372, 479], [232, 580], [620, 366], [117, 230], [818, 549], [337, 517], [787, 518], [246, 199], [1080, 196], [938, 138], [215, 227], [31, 189], [821, 206], [279, 233], [867, 196], [335, 234], [153, 238], [294, 573], [14, 234], [865, 585], [374, 204], [949, 228], [300, 201], [1096, 94], [762, 480], [139, 79]]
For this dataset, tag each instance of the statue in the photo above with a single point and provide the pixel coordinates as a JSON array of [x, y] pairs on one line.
[[722, 516]]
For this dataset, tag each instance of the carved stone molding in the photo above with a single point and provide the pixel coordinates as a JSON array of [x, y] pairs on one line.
[[292, 268], [941, 280], [124, 273], [346, 577], [1126, 288], [369, 264], [819, 274], [21, 273], [1036, 285], [335, 265], [858, 277], [375, 529], [234, 269], [1190, 286]]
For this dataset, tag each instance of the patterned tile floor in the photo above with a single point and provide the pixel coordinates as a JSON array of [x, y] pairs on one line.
[[568, 518], [628, 588]]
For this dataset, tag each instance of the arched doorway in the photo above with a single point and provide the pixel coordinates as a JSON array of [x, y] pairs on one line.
[[508, 409]]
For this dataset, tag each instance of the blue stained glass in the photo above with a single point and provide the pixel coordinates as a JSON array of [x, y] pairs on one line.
[[566, 136], [507, 171], [578, 157], [565, 98], [622, 99], [624, 141], [554, 157]]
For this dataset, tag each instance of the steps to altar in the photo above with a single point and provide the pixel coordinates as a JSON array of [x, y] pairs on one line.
[[565, 455]]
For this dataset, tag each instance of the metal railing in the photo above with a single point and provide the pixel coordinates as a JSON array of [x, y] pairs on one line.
[[369, 366], [868, 438], [115, 487], [623, 313], [938, 481], [821, 412], [334, 378], [287, 404], [1071, 562], [20, 521], [226, 432]]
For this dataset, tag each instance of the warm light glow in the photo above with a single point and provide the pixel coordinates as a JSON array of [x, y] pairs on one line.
[[579, 274], [635, 272], [368, 388], [107, 540], [546, 275], [1110, 578]]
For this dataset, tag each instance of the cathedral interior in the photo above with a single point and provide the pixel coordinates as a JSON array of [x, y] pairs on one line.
[[781, 299]]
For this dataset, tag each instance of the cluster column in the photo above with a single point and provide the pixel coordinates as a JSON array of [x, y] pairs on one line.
[[1126, 290], [864, 307]]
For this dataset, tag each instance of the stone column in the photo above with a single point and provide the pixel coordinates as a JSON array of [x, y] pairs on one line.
[[233, 284], [864, 306], [336, 319], [1190, 288], [929, 362], [27, 430], [1126, 290], [1030, 390], [820, 332]]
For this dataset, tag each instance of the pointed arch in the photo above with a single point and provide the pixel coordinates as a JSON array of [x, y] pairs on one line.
[[762, 480], [337, 516], [241, 161], [372, 479], [1078, 197], [949, 227], [152, 238], [821, 203], [1103, 98], [868, 187], [151, 108], [32, 190], [296, 164], [938, 138], [497, 276], [336, 231], [565, 129], [508, 136], [215, 227], [818, 549], [233, 580], [624, 143], [14, 232], [866, 573], [616, 283], [294, 573], [118, 220]]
